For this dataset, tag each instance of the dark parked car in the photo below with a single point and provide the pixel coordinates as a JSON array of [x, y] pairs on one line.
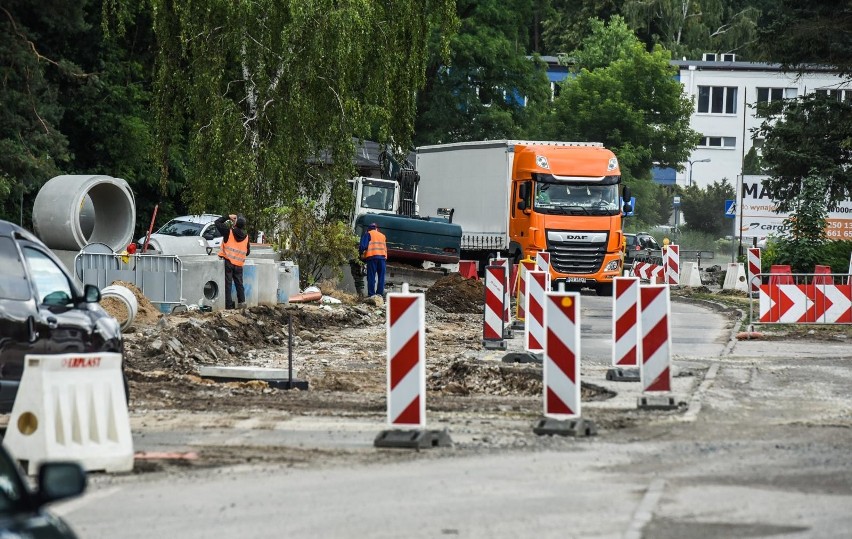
[[43, 310], [639, 244], [22, 512]]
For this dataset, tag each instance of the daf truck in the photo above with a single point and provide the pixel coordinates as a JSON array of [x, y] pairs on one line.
[[516, 198]]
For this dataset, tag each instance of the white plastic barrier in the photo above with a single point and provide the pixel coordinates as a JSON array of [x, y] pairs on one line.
[[71, 407], [735, 278], [690, 274]]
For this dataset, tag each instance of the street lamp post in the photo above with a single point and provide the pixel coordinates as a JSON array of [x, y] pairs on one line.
[[691, 163]]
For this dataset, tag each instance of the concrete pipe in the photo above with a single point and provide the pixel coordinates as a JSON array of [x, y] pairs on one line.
[[62, 215], [125, 302], [178, 245]]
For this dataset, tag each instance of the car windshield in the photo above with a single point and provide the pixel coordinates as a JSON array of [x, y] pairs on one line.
[[560, 198], [180, 228]]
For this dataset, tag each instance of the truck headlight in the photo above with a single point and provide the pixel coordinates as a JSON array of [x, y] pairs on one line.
[[612, 266]]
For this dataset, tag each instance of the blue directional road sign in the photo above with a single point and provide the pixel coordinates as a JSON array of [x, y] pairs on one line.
[[730, 209]]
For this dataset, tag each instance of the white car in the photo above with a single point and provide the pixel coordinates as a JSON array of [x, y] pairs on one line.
[[191, 225]]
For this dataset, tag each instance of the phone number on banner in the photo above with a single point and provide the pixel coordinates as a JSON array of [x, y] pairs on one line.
[[838, 229]]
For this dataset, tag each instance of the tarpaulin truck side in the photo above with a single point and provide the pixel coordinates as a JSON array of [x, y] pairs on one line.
[[517, 198]]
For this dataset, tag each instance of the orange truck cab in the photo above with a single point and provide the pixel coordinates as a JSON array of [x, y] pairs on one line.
[[516, 198]]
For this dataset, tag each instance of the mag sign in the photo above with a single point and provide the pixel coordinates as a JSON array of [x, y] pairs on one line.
[[759, 219]]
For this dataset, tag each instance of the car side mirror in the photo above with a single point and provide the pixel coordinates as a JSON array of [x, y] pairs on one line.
[[91, 293], [522, 205], [60, 480]]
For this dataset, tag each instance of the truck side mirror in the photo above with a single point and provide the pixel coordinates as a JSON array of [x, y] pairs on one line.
[[625, 194], [628, 207], [523, 191], [522, 205]]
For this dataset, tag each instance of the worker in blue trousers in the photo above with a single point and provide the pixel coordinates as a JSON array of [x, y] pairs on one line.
[[374, 251]]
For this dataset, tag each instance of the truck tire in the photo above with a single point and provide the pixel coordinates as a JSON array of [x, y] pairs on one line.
[[604, 289]]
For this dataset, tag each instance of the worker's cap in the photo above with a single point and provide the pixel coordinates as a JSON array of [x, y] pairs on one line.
[[373, 225], [241, 222]]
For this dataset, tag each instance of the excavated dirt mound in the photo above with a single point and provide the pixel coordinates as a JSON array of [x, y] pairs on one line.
[[455, 294], [146, 313]]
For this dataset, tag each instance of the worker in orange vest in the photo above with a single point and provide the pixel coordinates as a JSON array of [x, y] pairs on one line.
[[235, 248], [374, 251]]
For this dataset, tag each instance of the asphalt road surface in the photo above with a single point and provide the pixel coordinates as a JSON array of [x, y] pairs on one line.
[[759, 449]]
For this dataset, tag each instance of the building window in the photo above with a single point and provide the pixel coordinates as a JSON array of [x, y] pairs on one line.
[[718, 142], [717, 99], [767, 95], [837, 95]]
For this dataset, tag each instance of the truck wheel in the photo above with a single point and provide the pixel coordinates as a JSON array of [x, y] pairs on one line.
[[604, 289]]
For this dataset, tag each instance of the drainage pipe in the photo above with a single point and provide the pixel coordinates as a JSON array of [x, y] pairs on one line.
[[126, 298], [61, 212]]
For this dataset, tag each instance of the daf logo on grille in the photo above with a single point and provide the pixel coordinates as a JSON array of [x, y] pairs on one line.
[[574, 237]]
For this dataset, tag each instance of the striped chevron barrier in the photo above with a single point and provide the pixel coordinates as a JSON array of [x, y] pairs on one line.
[[561, 361], [672, 265], [805, 304], [536, 284], [525, 266], [647, 271], [406, 346], [507, 311], [493, 323], [655, 371], [754, 270], [625, 322]]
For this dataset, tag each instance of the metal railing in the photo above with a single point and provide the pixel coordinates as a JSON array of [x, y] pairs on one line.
[[159, 277]]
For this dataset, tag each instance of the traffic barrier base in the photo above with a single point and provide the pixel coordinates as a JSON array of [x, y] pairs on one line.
[[690, 275], [735, 278], [413, 439], [72, 407], [523, 357], [578, 427], [656, 402], [623, 375]]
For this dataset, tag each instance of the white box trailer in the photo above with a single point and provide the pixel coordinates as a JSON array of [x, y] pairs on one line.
[[475, 180]]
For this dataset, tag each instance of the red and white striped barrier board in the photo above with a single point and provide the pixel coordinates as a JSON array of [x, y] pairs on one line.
[[807, 304], [513, 280], [625, 322], [495, 280], [655, 372], [562, 355], [521, 304], [542, 261], [673, 265], [507, 312], [406, 344], [649, 272], [754, 269], [534, 322]]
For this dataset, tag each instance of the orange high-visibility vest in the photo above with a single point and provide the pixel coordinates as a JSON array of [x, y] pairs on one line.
[[377, 245], [233, 250]]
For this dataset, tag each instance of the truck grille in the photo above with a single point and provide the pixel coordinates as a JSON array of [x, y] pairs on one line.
[[576, 257]]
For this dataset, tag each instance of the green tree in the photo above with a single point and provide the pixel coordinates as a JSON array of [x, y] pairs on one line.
[[569, 22], [480, 93], [32, 148], [808, 136], [703, 208], [632, 103], [753, 162], [258, 91], [801, 242]]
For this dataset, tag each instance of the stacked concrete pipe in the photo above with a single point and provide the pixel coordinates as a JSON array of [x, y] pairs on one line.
[[62, 215], [126, 298]]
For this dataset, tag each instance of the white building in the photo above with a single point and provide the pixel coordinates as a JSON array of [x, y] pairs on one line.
[[725, 94]]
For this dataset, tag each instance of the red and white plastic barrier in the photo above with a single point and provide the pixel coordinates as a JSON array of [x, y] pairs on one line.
[[754, 269], [673, 265], [562, 355], [654, 322], [406, 345], [542, 261], [799, 303], [507, 311], [625, 322], [536, 284], [493, 322], [521, 303], [649, 272]]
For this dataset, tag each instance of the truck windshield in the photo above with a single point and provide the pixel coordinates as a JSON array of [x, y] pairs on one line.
[[576, 198], [377, 197]]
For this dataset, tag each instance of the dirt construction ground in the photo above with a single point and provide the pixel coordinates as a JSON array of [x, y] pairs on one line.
[[339, 350]]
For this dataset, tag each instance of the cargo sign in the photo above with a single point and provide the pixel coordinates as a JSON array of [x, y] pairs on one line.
[[757, 218]]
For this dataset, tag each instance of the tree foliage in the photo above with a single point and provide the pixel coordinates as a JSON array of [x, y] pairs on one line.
[[803, 237], [260, 92], [808, 136], [488, 88], [702, 207]]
